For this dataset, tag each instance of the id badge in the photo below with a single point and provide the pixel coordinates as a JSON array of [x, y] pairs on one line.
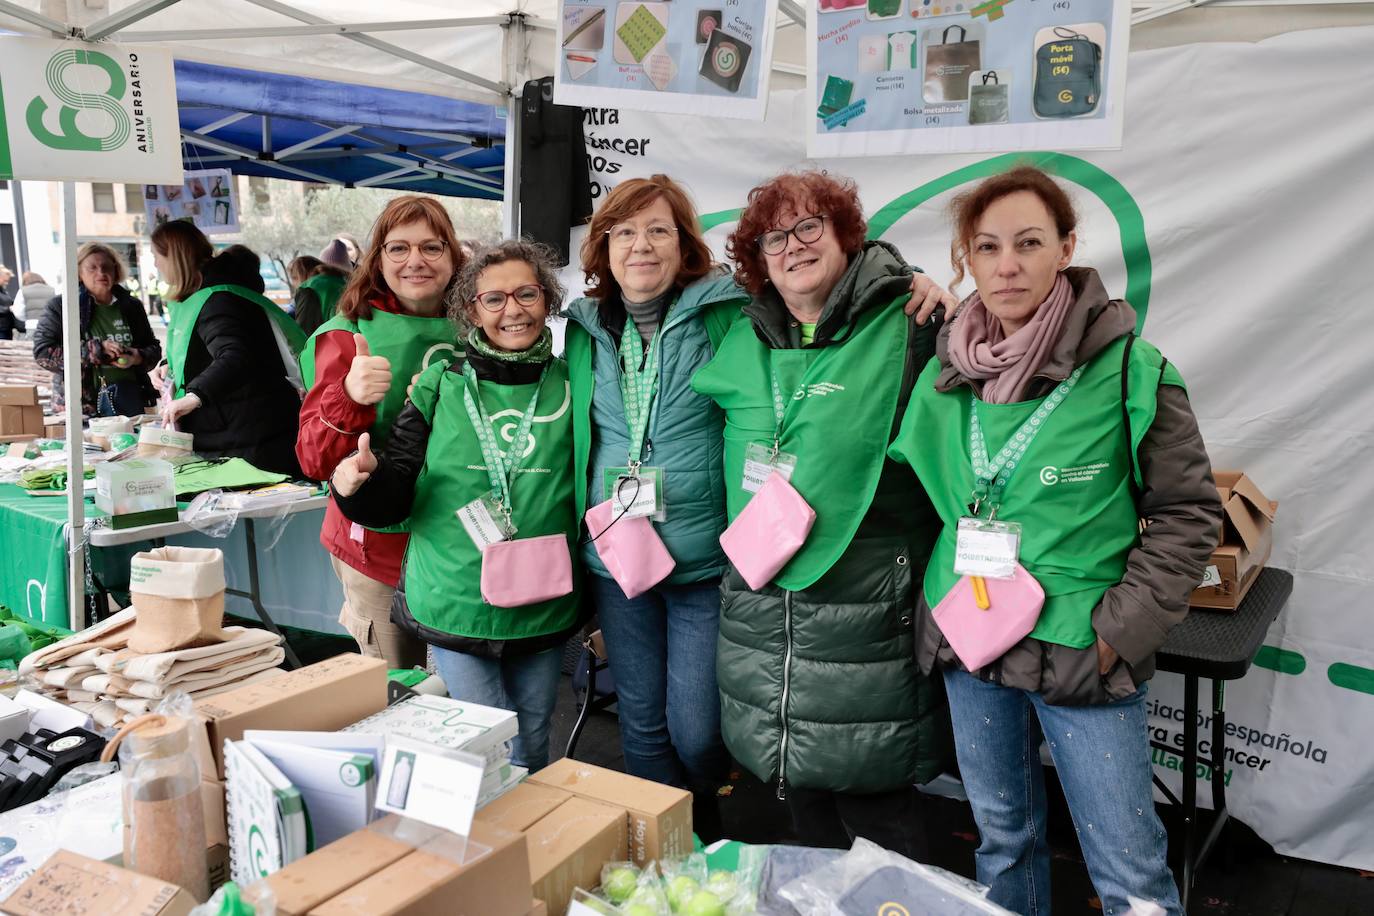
[[987, 548], [642, 493], [760, 462], [484, 521]]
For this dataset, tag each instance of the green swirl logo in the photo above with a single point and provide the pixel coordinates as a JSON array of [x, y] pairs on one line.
[[70, 136]]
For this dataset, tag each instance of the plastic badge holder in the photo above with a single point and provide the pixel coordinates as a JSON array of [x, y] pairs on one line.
[[980, 636], [630, 548], [768, 532], [393, 790]]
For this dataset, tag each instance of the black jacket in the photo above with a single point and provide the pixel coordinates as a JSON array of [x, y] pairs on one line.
[[9, 323], [248, 407], [308, 313], [47, 346]]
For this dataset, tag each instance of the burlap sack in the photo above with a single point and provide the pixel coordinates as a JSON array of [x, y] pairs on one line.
[[179, 595]]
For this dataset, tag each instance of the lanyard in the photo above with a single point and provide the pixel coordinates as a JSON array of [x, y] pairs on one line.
[[778, 406], [500, 468], [638, 384], [990, 476]]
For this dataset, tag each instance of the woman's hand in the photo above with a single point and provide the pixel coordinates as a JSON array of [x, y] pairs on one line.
[[158, 375], [411, 387], [354, 470], [1106, 656], [369, 377], [178, 409], [926, 294]]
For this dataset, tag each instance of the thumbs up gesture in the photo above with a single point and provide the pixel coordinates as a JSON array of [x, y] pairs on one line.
[[354, 470], [369, 377]]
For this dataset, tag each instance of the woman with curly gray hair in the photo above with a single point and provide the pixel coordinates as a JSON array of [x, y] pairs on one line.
[[481, 462]]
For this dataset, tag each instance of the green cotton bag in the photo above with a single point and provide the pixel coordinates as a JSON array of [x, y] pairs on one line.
[[1068, 76]]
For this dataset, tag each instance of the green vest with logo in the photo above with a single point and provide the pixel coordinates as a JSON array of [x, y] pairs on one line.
[[840, 401], [328, 288], [1072, 491], [443, 567], [181, 327]]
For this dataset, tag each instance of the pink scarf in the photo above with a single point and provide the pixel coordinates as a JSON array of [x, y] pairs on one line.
[[1006, 365]]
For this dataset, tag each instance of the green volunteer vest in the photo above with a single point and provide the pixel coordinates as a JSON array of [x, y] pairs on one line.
[[840, 404], [183, 323], [443, 568], [329, 288], [1071, 492]]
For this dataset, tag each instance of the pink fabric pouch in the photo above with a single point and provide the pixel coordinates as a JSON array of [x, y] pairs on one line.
[[630, 547], [980, 636], [768, 532], [526, 571]]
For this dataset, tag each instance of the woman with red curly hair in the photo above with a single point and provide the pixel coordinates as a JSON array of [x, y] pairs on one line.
[[819, 689]]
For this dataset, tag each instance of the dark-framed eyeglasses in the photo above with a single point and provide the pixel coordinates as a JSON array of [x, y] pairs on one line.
[[806, 230], [398, 251], [623, 235], [494, 300]]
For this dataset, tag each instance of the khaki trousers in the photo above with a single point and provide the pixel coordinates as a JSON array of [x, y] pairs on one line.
[[366, 615]]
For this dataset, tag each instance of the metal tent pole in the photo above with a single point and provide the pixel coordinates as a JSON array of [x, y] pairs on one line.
[[512, 57], [71, 365]]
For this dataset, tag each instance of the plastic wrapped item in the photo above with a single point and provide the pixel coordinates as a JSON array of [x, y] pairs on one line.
[[585, 902], [87, 772], [211, 514], [784, 865], [231, 900], [619, 880], [868, 876]]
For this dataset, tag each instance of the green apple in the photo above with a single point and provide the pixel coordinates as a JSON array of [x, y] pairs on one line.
[[723, 884], [704, 903], [680, 890], [620, 884]]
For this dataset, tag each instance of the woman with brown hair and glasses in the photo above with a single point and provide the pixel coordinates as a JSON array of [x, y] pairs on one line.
[[390, 325]]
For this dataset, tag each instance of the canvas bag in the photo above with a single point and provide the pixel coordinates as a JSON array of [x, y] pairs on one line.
[[948, 66], [768, 532], [988, 103], [526, 571], [179, 594], [981, 636], [1068, 76], [630, 548]]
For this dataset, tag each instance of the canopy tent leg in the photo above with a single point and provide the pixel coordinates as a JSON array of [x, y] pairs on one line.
[[71, 365], [515, 66]]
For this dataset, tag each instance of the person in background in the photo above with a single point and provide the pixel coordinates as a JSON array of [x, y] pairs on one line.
[[231, 352], [390, 325], [10, 323], [342, 252], [819, 690], [318, 288], [118, 349], [1041, 358], [352, 247], [496, 420], [34, 296]]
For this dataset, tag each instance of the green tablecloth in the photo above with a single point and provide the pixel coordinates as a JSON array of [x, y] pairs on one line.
[[33, 567]]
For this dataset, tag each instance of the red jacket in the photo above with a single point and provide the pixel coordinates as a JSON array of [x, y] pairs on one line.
[[331, 423]]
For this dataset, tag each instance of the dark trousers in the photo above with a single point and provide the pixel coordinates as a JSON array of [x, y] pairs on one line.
[[834, 819]]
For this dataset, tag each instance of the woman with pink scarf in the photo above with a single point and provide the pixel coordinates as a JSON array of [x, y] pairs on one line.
[[1045, 431]]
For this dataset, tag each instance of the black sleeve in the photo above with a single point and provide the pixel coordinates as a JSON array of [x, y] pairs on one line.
[[308, 312], [387, 496], [145, 341], [223, 327], [47, 340]]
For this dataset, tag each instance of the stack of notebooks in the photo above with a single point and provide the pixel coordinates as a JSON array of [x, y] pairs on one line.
[[479, 730], [289, 793]]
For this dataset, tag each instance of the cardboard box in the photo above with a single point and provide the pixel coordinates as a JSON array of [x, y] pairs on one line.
[[74, 885], [1247, 537], [306, 883], [490, 882], [140, 491], [212, 800], [522, 807], [660, 817], [55, 427], [217, 864], [20, 423], [568, 846], [324, 696], [18, 395], [540, 908]]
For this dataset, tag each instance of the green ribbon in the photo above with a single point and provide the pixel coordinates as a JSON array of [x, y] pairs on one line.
[[500, 468], [990, 476]]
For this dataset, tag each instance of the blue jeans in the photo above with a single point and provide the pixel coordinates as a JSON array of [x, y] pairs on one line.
[[1102, 757], [526, 684], [662, 648]]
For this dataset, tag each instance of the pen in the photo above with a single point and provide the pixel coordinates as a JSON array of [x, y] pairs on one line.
[[980, 592]]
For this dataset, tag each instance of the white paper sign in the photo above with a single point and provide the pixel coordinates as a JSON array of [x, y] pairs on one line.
[[88, 112], [438, 787]]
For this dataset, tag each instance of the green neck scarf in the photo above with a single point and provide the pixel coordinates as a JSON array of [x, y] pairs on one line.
[[539, 352]]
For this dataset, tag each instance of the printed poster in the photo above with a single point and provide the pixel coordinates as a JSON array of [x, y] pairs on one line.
[[72, 111], [704, 57], [941, 76], [207, 198]]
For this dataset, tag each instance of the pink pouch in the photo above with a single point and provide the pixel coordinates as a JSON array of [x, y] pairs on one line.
[[980, 636], [768, 532], [631, 549], [526, 571]]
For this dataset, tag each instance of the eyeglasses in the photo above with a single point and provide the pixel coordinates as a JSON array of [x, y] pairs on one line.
[[807, 230], [494, 300], [623, 235], [399, 251]]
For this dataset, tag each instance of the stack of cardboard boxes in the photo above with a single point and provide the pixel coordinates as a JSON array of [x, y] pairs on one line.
[[20, 415], [1247, 537]]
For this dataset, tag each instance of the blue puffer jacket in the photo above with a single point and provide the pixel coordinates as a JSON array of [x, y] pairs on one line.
[[685, 435]]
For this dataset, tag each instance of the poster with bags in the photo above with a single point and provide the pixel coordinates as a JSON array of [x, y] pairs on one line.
[[894, 77]]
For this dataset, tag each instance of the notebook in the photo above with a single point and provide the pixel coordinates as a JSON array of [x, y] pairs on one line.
[[338, 786], [268, 827]]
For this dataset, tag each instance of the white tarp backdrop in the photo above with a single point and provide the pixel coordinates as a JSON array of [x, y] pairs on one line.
[[1258, 239]]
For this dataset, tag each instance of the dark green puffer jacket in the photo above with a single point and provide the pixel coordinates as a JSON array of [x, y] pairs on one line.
[[819, 687]]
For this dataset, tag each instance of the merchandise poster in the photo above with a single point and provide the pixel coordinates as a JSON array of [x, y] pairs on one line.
[[206, 198], [704, 57], [942, 76]]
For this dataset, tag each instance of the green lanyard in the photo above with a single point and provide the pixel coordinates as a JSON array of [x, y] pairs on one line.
[[779, 405], [638, 385], [500, 468], [990, 476]]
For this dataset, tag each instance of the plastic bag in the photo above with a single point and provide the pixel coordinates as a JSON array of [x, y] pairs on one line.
[[211, 515], [231, 900]]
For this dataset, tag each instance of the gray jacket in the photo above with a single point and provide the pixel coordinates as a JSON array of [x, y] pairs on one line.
[[1179, 501]]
